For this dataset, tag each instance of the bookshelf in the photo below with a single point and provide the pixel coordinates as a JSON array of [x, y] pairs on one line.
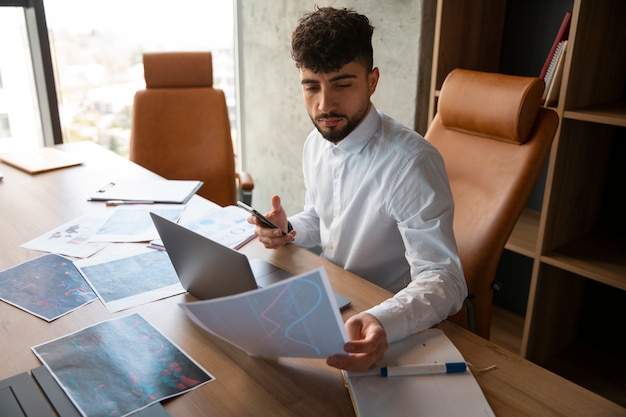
[[468, 34], [575, 235]]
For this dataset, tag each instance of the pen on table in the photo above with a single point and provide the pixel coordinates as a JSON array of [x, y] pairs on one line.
[[122, 202], [416, 369]]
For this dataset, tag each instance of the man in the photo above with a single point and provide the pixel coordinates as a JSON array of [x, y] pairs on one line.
[[377, 194]]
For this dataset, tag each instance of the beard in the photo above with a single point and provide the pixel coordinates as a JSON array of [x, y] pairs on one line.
[[335, 134]]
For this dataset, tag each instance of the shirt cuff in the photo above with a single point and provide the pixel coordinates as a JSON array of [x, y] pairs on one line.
[[392, 320]]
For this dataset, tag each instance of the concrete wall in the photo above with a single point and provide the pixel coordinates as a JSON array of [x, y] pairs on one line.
[[273, 121]]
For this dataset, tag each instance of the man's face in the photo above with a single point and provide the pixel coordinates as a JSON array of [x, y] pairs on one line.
[[337, 101]]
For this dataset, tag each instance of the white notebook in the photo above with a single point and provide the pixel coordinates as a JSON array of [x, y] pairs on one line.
[[441, 395]]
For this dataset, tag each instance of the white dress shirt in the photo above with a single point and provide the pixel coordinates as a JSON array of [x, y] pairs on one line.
[[380, 206]]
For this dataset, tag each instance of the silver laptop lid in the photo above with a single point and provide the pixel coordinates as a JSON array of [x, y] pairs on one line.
[[206, 269]]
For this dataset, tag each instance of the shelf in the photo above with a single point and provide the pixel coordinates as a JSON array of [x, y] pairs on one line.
[[610, 114], [575, 239], [457, 43], [523, 239], [595, 256]]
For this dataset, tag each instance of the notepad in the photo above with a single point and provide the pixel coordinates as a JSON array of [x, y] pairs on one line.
[[446, 395], [152, 190], [39, 160]]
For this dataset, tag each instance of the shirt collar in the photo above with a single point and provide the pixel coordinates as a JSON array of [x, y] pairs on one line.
[[364, 132]]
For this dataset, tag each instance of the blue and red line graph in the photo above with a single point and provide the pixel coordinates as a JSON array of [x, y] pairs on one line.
[[297, 317]]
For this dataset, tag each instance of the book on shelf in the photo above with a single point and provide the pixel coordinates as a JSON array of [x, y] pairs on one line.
[[552, 68], [552, 95], [561, 35]]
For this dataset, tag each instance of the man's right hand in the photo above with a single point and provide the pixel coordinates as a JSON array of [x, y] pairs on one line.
[[273, 238]]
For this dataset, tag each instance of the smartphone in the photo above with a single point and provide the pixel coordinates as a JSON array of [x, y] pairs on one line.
[[259, 216]]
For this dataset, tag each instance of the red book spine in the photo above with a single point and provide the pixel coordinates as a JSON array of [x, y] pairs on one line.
[[562, 34]]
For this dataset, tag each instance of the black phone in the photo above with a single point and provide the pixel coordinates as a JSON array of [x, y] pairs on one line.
[[267, 222]]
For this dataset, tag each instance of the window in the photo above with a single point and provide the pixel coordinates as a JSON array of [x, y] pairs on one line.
[[97, 48], [20, 120]]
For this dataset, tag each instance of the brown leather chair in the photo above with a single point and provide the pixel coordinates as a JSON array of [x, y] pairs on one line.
[[180, 127], [494, 137]]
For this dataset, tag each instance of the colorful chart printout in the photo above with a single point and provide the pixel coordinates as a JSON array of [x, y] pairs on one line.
[[48, 287], [132, 280], [119, 366]]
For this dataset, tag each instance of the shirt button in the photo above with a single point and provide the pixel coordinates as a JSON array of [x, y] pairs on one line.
[[336, 174]]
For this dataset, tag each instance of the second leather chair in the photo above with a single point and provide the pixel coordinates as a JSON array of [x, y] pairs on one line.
[[180, 127]]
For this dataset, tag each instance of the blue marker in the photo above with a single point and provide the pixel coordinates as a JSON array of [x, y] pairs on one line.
[[417, 369], [424, 369]]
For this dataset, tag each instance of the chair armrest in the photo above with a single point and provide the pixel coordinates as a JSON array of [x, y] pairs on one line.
[[246, 183]]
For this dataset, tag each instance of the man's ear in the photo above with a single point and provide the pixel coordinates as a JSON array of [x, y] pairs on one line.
[[372, 79]]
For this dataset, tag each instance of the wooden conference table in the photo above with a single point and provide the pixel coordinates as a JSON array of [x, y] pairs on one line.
[[31, 205]]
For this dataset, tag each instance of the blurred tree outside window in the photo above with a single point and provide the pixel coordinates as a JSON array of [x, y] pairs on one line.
[[97, 49]]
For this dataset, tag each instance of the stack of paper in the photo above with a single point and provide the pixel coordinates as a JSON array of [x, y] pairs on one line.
[[154, 191]]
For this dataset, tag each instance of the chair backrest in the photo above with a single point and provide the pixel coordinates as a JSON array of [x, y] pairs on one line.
[[180, 127], [494, 138]]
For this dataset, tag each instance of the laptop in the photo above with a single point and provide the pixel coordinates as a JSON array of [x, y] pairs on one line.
[[207, 269]]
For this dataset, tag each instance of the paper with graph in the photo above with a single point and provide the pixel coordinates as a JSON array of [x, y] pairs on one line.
[[119, 366], [297, 317]]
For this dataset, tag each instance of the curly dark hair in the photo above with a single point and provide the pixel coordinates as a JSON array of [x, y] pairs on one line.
[[327, 39]]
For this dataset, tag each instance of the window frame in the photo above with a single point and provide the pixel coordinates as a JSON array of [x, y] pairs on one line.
[[41, 57]]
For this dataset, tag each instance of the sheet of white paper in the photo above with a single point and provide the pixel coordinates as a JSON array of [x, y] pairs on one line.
[[128, 275], [227, 225], [443, 395], [297, 317], [133, 223], [197, 207], [72, 238]]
